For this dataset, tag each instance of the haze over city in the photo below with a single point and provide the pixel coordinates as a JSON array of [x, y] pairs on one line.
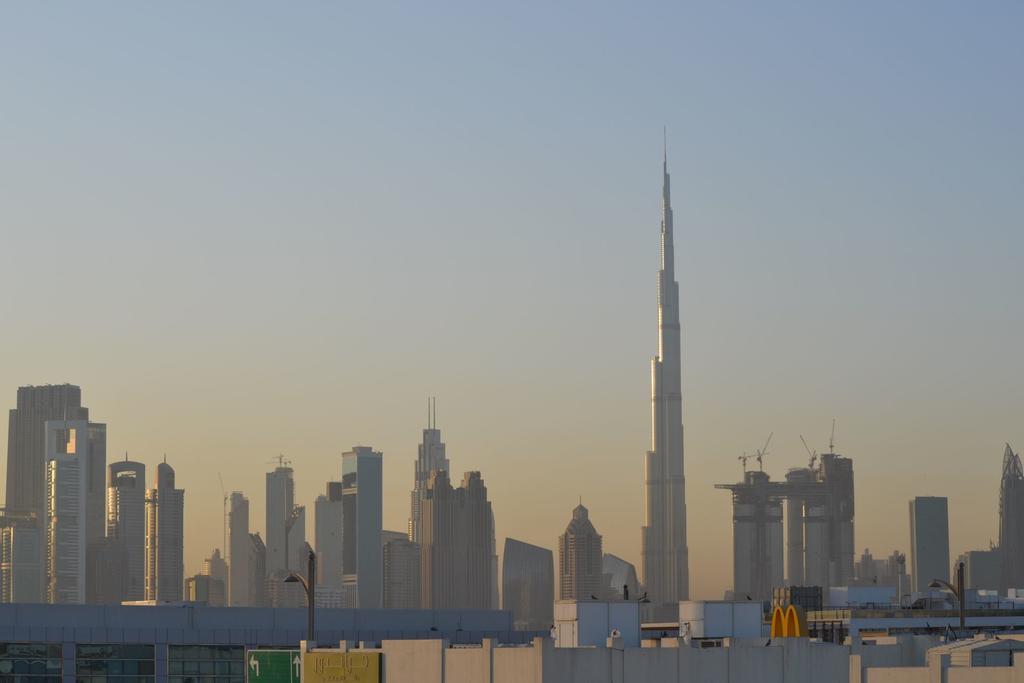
[[274, 232]]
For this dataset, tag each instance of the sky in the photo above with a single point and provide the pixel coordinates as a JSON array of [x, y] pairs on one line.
[[252, 229]]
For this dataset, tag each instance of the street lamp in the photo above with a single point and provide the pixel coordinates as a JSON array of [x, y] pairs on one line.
[[310, 586], [957, 591]]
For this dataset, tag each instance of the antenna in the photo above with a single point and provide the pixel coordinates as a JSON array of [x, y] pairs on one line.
[[832, 438]]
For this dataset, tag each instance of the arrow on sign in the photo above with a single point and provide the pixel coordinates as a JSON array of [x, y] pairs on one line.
[[296, 663], [254, 664]]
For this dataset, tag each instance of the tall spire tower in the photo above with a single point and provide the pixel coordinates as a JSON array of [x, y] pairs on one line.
[[665, 558]]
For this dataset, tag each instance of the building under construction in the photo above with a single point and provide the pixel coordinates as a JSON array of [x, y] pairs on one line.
[[818, 502]]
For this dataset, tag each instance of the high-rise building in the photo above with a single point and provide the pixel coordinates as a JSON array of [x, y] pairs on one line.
[[238, 550], [401, 571], [493, 554], [96, 484], [26, 452], [106, 564], [286, 537], [67, 514], [818, 523], [21, 552], [165, 537], [1011, 522], [257, 572], [929, 541], [205, 589], [890, 571], [982, 569], [279, 512], [757, 556], [528, 585], [620, 578], [126, 522], [296, 540], [580, 559], [362, 480], [215, 587], [431, 457], [456, 549], [328, 536], [216, 566], [663, 537]]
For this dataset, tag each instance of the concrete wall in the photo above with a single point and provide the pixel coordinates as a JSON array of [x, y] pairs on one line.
[[939, 671], [414, 661], [901, 650], [783, 661]]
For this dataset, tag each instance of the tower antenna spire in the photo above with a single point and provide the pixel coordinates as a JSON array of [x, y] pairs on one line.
[[664, 135]]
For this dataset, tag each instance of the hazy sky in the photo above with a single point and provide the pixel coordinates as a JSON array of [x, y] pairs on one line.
[[257, 228]]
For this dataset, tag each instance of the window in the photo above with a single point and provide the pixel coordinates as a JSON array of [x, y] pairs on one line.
[[205, 664], [30, 663], [114, 664]]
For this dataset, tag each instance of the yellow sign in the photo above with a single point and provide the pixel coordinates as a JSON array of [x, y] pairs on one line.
[[791, 623], [341, 667]]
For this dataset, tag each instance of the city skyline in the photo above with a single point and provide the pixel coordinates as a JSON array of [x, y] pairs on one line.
[[290, 264]]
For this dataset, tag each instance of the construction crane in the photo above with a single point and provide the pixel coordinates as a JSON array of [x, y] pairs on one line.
[[763, 451], [280, 461], [812, 454], [832, 438], [744, 458], [223, 491]]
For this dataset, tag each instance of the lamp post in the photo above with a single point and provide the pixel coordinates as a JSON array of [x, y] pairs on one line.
[[957, 591], [310, 586]]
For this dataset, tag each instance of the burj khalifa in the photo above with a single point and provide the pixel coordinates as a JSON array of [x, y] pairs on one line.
[[665, 568]]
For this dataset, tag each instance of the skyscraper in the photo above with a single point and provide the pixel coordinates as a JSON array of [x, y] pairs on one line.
[[296, 539], [211, 586], [328, 533], [165, 537], [238, 551], [619, 577], [663, 538], [362, 481], [257, 572], [21, 570], [528, 585], [456, 551], [67, 515], [431, 458], [929, 541], [126, 522], [580, 570], [401, 571], [1011, 522], [26, 453], [96, 483], [280, 505]]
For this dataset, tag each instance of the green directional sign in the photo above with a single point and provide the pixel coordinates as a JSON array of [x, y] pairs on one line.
[[273, 666]]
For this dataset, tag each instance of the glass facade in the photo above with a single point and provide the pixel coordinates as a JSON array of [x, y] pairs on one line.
[[114, 663], [205, 664], [30, 663]]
